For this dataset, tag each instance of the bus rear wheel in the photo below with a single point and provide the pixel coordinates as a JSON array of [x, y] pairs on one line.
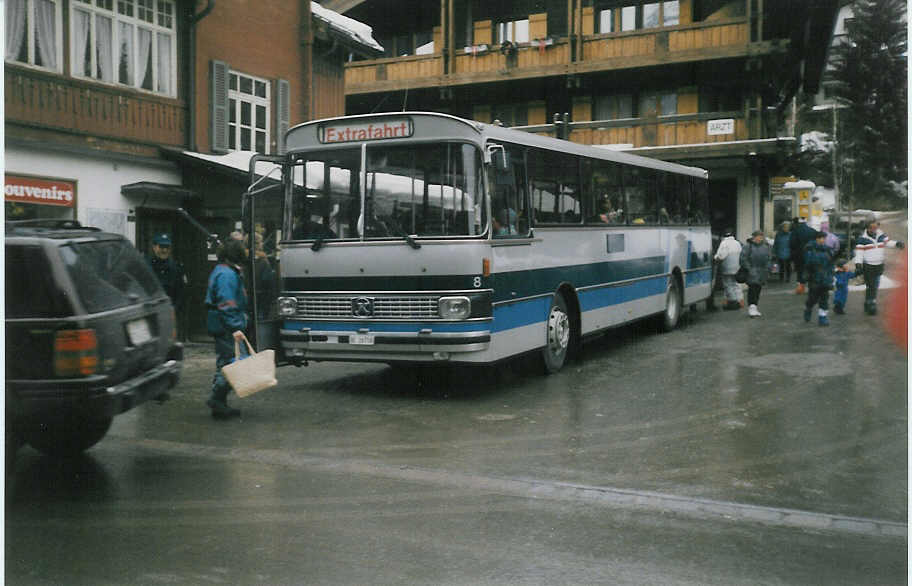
[[557, 335], [673, 305]]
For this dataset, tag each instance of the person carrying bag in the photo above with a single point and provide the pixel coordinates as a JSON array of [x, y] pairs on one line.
[[252, 373]]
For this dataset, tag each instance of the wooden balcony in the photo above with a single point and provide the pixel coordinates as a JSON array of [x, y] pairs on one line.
[[604, 52], [676, 130], [51, 101]]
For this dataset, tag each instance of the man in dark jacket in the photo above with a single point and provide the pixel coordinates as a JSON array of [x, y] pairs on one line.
[[818, 263], [169, 272], [802, 234]]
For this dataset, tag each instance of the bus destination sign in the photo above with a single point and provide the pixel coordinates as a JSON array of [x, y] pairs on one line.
[[362, 131]]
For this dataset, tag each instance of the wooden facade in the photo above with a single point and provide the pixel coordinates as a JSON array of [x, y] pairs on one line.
[[36, 99], [735, 60]]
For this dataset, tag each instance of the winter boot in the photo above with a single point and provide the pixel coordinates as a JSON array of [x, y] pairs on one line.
[[807, 315], [822, 318], [220, 408], [870, 307]]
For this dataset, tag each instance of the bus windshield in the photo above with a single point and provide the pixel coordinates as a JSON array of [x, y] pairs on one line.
[[425, 190]]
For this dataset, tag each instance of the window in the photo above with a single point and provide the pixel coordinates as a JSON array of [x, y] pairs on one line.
[[516, 31], [248, 113], [608, 202], [128, 42], [517, 115], [510, 216], [671, 13], [613, 107], [605, 21], [555, 185], [668, 104], [651, 15], [640, 187], [628, 18], [34, 33]]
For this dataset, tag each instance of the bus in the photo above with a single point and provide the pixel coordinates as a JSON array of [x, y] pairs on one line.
[[423, 238]]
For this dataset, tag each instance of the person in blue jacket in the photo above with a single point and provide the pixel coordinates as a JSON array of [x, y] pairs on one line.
[[818, 267], [841, 293], [226, 320]]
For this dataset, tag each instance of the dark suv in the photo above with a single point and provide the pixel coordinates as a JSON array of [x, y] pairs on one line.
[[89, 334]]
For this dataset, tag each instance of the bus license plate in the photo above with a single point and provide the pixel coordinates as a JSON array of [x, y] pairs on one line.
[[138, 331], [363, 339]]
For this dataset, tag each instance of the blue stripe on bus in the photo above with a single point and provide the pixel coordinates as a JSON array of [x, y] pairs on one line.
[[698, 277], [521, 313], [607, 296], [412, 327]]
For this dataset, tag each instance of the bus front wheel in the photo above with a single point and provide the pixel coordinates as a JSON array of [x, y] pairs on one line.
[[557, 332], [673, 305]]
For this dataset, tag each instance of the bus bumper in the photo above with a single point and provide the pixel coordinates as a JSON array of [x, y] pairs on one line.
[[385, 342]]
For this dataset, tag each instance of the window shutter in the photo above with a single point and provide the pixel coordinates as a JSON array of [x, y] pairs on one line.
[[218, 114], [283, 111]]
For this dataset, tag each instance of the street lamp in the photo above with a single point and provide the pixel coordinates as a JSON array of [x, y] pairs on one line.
[[833, 107]]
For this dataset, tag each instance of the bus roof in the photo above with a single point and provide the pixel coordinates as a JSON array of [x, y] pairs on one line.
[[490, 131]]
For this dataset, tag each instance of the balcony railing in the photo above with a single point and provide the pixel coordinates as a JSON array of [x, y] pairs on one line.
[[55, 102], [679, 129], [601, 52]]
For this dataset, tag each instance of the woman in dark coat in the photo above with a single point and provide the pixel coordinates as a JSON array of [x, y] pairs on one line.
[[783, 250], [755, 256]]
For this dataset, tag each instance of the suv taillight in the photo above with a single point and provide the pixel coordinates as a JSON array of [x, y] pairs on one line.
[[75, 353]]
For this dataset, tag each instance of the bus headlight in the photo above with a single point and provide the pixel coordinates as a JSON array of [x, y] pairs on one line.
[[454, 307], [288, 306]]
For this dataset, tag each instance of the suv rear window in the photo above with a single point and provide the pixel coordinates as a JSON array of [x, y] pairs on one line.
[[30, 288], [109, 274]]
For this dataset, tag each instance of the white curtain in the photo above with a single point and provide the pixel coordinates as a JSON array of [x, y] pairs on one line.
[[164, 63], [142, 62], [46, 32], [103, 49], [15, 27], [82, 61], [126, 57]]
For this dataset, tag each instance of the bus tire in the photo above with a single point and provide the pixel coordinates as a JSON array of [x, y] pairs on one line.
[[673, 304], [557, 335]]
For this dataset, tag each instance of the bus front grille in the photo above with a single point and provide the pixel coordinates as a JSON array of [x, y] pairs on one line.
[[412, 307]]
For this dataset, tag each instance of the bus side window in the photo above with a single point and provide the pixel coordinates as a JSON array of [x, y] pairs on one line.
[[608, 202], [509, 210], [640, 187]]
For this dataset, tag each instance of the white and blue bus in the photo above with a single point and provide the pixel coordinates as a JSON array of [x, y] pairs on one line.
[[425, 238]]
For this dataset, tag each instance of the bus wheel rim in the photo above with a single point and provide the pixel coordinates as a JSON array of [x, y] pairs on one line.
[[558, 331]]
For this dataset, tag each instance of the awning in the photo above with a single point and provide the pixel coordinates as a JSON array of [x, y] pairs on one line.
[[147, 189]]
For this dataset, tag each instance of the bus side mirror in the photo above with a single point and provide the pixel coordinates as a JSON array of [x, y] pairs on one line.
[[497, 155]]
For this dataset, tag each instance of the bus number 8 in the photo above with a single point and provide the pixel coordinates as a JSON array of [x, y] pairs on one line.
[[477, 282]]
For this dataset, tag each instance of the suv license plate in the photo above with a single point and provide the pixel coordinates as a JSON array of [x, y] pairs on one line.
[[138, 331], [364, 339]]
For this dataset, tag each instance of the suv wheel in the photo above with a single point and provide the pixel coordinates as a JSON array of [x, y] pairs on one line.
[[67, 437]]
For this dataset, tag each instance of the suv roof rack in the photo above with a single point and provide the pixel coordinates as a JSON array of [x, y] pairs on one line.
[[49, 225]]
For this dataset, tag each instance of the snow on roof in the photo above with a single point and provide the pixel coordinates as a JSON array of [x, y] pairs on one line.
[[803, 184], [356, 30], [239, 160]]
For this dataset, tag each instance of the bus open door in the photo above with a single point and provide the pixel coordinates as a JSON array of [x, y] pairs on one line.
[[262, 210]]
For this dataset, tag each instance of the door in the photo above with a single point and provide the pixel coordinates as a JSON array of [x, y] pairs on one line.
[[264, 205]]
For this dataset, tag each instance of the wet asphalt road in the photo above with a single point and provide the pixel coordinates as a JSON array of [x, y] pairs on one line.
[[730, 451]]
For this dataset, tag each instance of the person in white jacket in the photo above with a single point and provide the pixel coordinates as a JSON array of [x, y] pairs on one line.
[[728, 255], [869, 260]]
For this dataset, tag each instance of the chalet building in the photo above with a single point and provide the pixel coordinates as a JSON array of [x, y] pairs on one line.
[[701, 82], [110, 105]]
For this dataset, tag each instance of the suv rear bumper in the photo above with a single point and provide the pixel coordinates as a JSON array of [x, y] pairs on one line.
[[90, 397]]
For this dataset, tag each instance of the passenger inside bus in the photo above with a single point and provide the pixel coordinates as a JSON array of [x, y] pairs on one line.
[[505, 223]]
